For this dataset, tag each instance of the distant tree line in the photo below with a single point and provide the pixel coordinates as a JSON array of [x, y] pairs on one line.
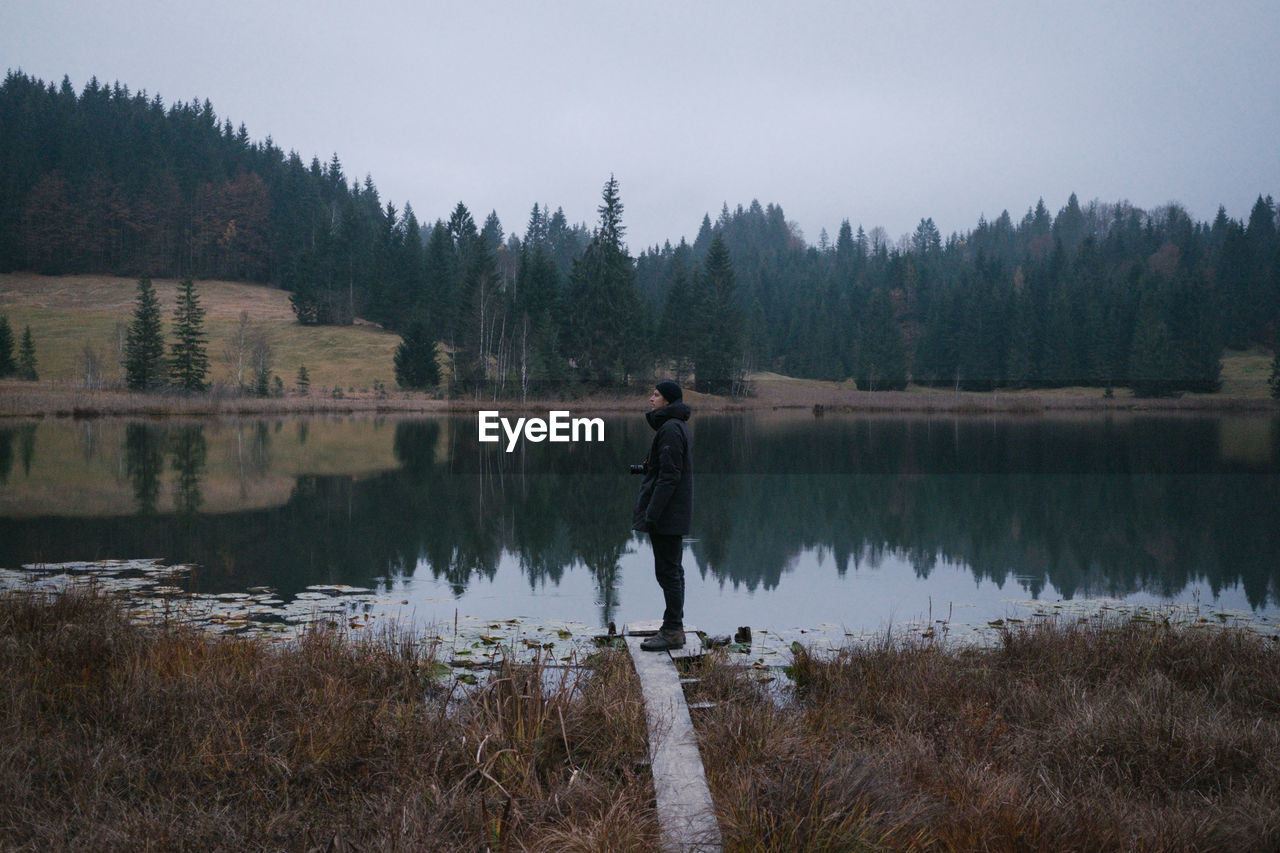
[[1101, 295], [109, 181]]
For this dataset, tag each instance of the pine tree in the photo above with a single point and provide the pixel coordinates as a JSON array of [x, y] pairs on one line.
[[27, 357], [880, 357], [472, 293], [415, 358], [7, 365], [188, 359], [606, 316], [538, 307], [304, 380], [144, 347], [438, 303], [717, 325], [678, 321], [1152, 353]]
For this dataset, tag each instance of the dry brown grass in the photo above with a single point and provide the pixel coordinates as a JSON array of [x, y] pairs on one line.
[[1133, 735], [118, 737], [1099, 736], [68, 313]]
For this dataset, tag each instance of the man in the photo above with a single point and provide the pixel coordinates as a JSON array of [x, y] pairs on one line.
[[664, 506]]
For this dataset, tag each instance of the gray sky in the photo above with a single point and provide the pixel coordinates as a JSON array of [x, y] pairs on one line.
[[879, 112]]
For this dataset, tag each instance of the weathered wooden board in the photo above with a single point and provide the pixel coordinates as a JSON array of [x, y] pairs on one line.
[[685, 811]]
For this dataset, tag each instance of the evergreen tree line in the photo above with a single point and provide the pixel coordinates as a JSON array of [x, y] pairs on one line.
[[1101, 294], [114, 182], [23, 364]]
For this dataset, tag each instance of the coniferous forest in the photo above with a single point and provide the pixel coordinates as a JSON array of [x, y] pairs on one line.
[[110, 181]]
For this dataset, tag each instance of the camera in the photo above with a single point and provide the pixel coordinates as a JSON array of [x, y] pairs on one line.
[[638, 469]]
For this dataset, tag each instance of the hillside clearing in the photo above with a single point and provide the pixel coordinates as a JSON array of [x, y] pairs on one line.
[[69, 314]]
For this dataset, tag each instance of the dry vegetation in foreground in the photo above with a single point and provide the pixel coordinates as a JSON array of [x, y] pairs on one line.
[[1131, 735], [119, 737], [1104, 735]]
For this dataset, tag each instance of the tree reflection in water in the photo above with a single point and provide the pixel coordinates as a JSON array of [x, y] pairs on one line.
[[1099, 507]]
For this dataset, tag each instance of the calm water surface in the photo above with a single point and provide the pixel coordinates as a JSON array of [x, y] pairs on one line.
[[844, 522]]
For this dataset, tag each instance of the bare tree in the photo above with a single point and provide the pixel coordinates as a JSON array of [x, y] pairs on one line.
[[121, 340], [91, 368], [236, 351]]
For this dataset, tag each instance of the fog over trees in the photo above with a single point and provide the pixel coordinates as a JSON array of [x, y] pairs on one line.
[[1099, 293]]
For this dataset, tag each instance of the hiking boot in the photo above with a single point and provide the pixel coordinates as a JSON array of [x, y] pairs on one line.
[[664, 640]]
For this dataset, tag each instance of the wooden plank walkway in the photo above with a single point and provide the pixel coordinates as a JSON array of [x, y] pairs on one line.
[[685, 812]]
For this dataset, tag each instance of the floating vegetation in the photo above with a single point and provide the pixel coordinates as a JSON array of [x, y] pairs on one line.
[[152, 593], [1084, 610], [158, 592]]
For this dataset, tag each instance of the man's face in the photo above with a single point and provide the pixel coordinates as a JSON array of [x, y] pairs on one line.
[[656, 400]]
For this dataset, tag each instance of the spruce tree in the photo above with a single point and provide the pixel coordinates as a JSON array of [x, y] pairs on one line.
[[188, 359], [880, 356], [415, 358], [677, 324], [538, 305], [144, 347], [304, 380], [718, 327], [7, 365], [605, 314], [1152, 353], [27, 357]]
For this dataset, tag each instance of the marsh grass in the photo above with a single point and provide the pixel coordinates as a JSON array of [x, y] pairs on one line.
[[1136, 735], [122, 737]]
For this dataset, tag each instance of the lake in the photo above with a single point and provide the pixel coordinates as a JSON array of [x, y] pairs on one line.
[[833, 526]]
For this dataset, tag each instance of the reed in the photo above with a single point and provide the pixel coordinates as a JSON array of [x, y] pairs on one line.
[[120, 737], [1136, 735]]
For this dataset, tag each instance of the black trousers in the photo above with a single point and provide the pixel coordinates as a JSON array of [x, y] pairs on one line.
[[667, 551]]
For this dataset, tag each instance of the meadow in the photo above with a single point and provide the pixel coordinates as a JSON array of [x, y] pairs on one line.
[[68, 314]]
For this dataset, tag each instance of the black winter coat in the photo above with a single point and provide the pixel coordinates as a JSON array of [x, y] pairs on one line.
[[665, 502]]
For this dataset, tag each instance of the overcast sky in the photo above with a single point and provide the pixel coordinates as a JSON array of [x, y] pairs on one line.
[[878, 112]]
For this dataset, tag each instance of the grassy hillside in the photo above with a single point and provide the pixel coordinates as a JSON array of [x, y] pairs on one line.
[[69, 313]]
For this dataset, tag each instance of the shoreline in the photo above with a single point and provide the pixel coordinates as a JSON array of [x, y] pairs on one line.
[[24, 400]]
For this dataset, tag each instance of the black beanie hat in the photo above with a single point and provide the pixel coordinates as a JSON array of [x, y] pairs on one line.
[[669, 390]]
